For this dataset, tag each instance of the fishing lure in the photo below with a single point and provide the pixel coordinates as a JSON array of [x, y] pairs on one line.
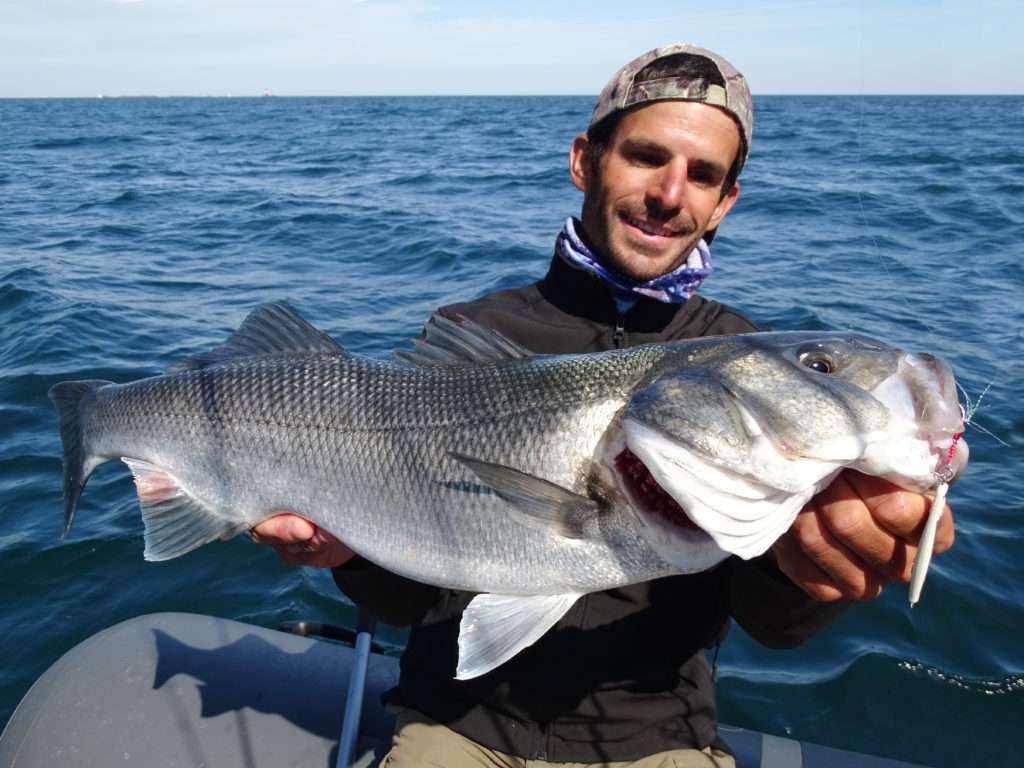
[[942, 477], [927, 543]]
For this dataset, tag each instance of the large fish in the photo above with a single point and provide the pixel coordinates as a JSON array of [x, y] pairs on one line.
[[530, 479]]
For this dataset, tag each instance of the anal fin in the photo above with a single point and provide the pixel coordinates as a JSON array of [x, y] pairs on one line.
[[495, 628], [175, 521]]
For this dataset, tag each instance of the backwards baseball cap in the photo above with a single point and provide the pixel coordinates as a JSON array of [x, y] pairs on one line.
[[680, 72]]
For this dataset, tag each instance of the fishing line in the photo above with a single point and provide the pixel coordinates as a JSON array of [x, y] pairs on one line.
[[858, 165], [944, 475], [860, 156], [972, 408]]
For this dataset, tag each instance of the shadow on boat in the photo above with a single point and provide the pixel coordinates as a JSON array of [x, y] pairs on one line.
[[180, 689]]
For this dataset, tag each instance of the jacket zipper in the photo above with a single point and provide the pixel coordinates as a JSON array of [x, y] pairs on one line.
[[619, 335]]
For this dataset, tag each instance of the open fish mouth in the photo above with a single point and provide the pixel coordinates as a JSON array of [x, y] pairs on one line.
[[645, 491], [667, 525], [730, 508]]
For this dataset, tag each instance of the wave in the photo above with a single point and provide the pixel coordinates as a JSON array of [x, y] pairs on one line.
[[86, 142], [1008, 685], [369, 213], [881, 702]]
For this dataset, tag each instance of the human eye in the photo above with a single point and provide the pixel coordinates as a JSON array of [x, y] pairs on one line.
[[644, 156], [705, 174], [645, 159]]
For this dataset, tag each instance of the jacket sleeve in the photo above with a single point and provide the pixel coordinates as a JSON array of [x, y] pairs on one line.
[[391, 598], [770, 607]]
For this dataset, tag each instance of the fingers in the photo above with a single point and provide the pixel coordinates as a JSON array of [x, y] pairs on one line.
[[284, 529], [802, 571], [902, 513], [856, 536], [858, 540], [816, 561], [322, 551], [297, 541]]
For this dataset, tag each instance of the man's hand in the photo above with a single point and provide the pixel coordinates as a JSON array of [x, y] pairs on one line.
[[855, 537], [298, 542]]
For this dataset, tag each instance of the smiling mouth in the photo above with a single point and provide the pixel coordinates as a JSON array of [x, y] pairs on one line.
[[651, 229]]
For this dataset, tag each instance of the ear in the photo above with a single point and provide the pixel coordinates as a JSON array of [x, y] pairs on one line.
[[725, 204], [579, 162]]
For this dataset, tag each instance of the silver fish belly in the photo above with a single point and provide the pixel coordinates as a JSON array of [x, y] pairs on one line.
[[531, 479]]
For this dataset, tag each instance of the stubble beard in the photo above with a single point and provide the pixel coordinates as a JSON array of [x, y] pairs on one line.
[[633, 259]]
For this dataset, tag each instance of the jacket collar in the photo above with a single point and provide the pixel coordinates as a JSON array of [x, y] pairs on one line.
[[585, 295]]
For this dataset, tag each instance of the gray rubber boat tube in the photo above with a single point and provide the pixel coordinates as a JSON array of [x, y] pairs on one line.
[[365, 627], [181, 690]]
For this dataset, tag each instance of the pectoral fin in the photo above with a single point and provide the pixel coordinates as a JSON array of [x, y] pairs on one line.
[[495, 628], [539, 501]]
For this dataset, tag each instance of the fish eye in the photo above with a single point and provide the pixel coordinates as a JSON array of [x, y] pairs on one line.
[[817, 362]]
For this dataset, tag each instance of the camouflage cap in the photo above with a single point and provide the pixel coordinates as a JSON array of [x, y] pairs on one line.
[[680, 72]]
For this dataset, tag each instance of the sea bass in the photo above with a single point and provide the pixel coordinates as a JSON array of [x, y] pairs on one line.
[[530, 479]]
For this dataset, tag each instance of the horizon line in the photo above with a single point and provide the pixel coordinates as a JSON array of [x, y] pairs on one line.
[[101, 96]]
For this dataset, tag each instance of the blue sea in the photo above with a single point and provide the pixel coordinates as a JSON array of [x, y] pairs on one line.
[[135, 232]]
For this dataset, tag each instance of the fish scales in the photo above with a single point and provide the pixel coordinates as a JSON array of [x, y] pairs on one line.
[[530, 479], [334, 438]]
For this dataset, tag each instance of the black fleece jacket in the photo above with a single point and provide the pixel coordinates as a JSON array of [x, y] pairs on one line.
[[622, 675]]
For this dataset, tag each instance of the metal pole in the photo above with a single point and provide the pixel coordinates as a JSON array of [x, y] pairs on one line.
[[365, 627]]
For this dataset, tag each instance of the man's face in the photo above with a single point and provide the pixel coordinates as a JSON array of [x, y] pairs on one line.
[[658, 186]]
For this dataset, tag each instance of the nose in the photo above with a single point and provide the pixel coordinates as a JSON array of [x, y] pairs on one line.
[[667, 190]]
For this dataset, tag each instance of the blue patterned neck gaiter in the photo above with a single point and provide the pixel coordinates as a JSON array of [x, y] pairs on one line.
[[674, 288]]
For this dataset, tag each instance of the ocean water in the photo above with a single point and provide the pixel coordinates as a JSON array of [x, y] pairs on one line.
[[134, 232]]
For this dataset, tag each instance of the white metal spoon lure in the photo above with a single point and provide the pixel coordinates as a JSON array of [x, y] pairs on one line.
[[927, 543]]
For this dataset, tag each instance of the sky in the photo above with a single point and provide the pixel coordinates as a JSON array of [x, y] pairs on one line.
[[393, 47]]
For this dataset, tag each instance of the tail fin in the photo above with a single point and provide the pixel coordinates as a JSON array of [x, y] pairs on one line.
[[73, 399]]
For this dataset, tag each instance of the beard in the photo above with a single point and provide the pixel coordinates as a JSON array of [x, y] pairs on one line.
[[626, 251]]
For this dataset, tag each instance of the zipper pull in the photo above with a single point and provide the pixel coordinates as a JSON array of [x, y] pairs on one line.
[[619, 336]]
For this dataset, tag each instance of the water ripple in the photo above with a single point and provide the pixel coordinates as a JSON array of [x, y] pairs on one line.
[[1006, 686], [139, 231]]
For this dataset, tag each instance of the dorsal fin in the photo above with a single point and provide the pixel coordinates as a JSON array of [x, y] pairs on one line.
[[460, 342], [270, 329]]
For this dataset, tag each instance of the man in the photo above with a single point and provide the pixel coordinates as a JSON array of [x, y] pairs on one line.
[[622, 677]]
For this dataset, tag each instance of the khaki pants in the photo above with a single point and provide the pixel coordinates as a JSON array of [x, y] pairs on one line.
[[420, 742]]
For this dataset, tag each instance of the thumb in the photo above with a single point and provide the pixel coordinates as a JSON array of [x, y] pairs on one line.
[[283, 528], [299, 529]]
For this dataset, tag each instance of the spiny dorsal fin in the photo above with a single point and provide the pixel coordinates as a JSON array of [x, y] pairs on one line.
[[460, 342], [270, 329]]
